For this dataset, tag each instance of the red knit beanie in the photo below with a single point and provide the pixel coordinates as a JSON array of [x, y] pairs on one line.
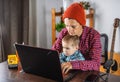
[[75, 11]]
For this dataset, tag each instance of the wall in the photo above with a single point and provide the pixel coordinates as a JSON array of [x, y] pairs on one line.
[[105, 13]]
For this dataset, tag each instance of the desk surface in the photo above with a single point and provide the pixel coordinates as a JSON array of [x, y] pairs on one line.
[[12, 75]]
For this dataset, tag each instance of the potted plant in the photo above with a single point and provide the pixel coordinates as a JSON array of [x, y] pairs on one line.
[[60, 26], [85, 4]]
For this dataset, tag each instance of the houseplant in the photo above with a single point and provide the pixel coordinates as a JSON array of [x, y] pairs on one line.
[[60, 26]]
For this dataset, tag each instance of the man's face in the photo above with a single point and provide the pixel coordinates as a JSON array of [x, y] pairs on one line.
[[68, 48], [73, 27]]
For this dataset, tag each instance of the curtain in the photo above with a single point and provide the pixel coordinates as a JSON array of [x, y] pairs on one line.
[[1, 46], [14, 21]]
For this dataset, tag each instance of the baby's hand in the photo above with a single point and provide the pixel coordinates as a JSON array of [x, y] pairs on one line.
[[66, 66]]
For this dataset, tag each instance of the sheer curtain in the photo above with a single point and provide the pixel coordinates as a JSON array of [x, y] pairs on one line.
[[14, 21]]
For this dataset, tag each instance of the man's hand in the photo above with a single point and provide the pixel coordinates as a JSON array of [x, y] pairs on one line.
[[66, 67]]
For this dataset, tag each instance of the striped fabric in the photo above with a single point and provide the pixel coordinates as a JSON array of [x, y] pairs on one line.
[[90, 47]]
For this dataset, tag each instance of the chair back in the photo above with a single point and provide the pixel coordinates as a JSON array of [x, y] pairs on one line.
[[104, 43]]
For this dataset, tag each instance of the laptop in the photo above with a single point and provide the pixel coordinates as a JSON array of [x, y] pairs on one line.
[[42, 62]]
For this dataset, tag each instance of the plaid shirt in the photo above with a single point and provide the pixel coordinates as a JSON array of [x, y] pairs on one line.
[[76, 56], [90, 47]]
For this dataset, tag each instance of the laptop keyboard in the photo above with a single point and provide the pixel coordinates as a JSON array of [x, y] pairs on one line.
[[70, 76]]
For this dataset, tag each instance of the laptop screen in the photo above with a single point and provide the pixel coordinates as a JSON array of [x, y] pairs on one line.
[[40, 61]]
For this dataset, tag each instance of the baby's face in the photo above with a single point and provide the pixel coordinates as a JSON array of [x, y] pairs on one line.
[[68, 48]]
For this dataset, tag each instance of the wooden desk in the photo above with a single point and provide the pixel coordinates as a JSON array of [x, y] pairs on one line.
[[12, 75]]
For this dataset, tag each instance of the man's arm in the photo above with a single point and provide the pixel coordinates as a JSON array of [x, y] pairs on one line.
[[94, 54]]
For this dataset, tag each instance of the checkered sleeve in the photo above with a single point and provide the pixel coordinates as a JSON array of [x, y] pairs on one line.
[[94, 54]]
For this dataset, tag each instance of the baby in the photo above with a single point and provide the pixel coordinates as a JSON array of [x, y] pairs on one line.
[[70, 45]]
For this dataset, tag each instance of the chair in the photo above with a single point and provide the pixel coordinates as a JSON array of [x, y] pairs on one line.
[[55, 14], [104, 43], [104, 55]]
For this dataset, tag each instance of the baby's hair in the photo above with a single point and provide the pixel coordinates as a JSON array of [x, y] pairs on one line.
[[73, 39]]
